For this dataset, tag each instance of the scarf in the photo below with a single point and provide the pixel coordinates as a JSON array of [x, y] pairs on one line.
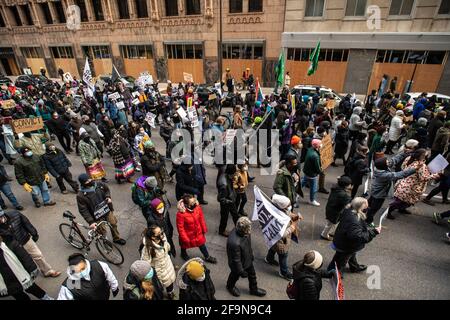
[[17, 268]]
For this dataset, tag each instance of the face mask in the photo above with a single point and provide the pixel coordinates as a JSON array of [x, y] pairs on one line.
[[365, 210], [192, 207], [160, 211], [84, 273], [289, 209], [28, 154], [87, 139], [149, 275], [202, 278]]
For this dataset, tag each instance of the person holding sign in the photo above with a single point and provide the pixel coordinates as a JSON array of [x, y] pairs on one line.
[[95, 205], [352, 234], [444, 186]]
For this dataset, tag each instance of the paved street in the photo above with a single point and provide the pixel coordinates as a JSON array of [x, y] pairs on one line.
[[410, 252]]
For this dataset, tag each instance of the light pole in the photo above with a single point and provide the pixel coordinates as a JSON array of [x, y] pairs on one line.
[[219, 49], [417, 58]]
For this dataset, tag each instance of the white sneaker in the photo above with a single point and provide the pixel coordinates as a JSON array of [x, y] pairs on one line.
[[314, 203]]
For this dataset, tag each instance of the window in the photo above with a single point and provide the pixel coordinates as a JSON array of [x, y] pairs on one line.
[[136, 51], [16, 15], [26, 11], [83, 10], [302, 54], [141, 8], [401, 7], [356, 8], [122, 6], [2, 22], [31, 52], [184, 51], [415, 57], [255, 5], [420, 57], [60, 11], [97, 52], [380, 56], [396, 56], [193, 7], [98, 10], [242, 51], [171, 8], [445, 7], [235, 6], [46, 12], [314, 8], [62, 52], [435, 57]]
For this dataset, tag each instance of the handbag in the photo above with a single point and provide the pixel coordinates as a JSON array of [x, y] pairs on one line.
[[291, 290]]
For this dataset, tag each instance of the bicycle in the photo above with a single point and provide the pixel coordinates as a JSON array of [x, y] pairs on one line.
[[73, 235]]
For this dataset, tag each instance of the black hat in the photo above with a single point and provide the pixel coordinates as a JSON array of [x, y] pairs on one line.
[[83, 178], [75, 259], [381, 163], [344, 181]]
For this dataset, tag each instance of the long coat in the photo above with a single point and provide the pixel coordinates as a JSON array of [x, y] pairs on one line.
[[161, 262]]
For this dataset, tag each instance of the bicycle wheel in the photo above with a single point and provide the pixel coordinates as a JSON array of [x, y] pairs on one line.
[[71, 235], [109, 251]]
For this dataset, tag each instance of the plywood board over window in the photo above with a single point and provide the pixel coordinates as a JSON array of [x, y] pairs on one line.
[[185, 58], [137, 58]]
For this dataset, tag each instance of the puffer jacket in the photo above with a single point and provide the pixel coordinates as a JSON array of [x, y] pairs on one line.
[[395, 130], [352, 234], [18, 228], [442, 139], [337, 201], [34, 143], [185, 183], [30, 170], [162, 222], [87, 201], [191, 226], [159, 258], [308, 282], [239, 252], [191, 290], [88, 152], [56, 162]]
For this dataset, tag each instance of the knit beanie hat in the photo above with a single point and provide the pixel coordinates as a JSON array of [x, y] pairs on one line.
[[411, 143], [295, 140], [195, 270], [156, 203], [148, 144], [317, 262], [316, 143], [140, 269], [83, 178], [151, 182], [280, 201]]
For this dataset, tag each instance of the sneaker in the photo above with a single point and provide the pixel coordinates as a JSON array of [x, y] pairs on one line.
[[258, 292], [37, 204], [272, 262], [314, 203], [323, 190], [436, 217], [287, 276], [19, 207], [49, 204], [328, 238], [358, 269], [428, 202], [120, 242]]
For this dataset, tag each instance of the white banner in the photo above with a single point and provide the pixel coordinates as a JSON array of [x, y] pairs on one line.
[[87, 78], [272, 220]]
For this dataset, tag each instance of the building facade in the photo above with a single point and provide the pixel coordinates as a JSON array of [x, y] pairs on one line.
[[362, 40], [164, 37]]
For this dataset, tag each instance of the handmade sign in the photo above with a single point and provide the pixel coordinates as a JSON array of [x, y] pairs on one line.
[[188, 77], [67, 77], [27, 124], [150, 119], [193, 116], [114, 96], [438, 164], [135, 101], [326, 152], [229, 136], [120, 105]]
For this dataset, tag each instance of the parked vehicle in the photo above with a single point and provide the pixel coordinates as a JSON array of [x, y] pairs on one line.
[[5, 80], [35, 80]]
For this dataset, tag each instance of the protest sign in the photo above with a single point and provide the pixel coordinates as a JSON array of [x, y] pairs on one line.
[[273, 221], [229, 136], [135, 94], [188, 77], [27, 124], [326, 152], [7, 104], [135, 101], [193, 116], [438, 164], [150, 119], [101, 84], [182, 113], [27, 71], [120, 105], [67, 77], [337, 286], [114, 96], [145, 78]]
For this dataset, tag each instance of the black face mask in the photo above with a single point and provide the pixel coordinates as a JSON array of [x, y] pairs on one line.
[[87, 139], [192, 207], [89, 184], [365, 210]]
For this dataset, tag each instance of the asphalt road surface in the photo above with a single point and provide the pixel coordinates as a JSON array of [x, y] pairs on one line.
[[410, 252]]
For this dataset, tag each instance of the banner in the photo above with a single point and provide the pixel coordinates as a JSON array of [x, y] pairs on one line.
[[87, 74], [188, 77], [273, 221], [27, 124], [337, 286], [326, 152]]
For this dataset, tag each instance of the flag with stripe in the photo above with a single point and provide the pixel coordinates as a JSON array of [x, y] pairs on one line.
[[259, 93]]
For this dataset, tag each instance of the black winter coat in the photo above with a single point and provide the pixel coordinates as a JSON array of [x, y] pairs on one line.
[[17, 228], [308, 282], [226, 194], [56, 162], [337, 201], [151, 166], [196, 290], [164, 223], [185, 183], [239, 252], [341, 140], [433, 128], [87, 201], [357, 168], [352, 234], [57, 126]]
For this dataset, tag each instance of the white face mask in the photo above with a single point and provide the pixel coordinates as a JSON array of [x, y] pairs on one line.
[[202, 278], [161, 211], [289, 209]]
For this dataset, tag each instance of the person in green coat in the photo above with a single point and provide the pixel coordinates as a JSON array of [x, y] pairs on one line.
[[284, 182], [378, 143], [311, 169]]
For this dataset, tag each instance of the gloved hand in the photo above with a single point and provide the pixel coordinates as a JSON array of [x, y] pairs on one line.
[[244, 274], [27, 187], [115, 292], [47, 177], [35, 238]]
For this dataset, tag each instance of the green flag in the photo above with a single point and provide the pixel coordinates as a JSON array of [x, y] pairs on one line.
[[314, 60], [279, 69]]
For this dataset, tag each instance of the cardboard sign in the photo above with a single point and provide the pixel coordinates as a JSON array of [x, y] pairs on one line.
[[188, 77], [7, 104], [27, 124], [120, 105], [135, 101], [114, 96], [101, 84], [67, 77], [212, 96], [326, 152]]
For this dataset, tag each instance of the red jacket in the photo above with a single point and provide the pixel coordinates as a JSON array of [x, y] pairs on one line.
[[191, 227]]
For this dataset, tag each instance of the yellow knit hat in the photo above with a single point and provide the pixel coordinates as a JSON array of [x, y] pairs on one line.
[[195, 270]]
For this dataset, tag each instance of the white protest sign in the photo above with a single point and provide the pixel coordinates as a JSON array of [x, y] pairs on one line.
[[273, 221], [67, 77], [135, 94], [135, 101], [145, 79], [150, 119], [193, 117], [438, 164], [182, 113], [120, 105], [188, 77], [229, 136], [114, 96]]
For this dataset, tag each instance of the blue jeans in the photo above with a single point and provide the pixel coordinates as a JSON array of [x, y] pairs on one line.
[[313, 186], [40, 190], [282, 259], [6, 189]]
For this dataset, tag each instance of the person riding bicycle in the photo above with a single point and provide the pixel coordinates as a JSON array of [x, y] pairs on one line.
[[88, 280], [95, 205]]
